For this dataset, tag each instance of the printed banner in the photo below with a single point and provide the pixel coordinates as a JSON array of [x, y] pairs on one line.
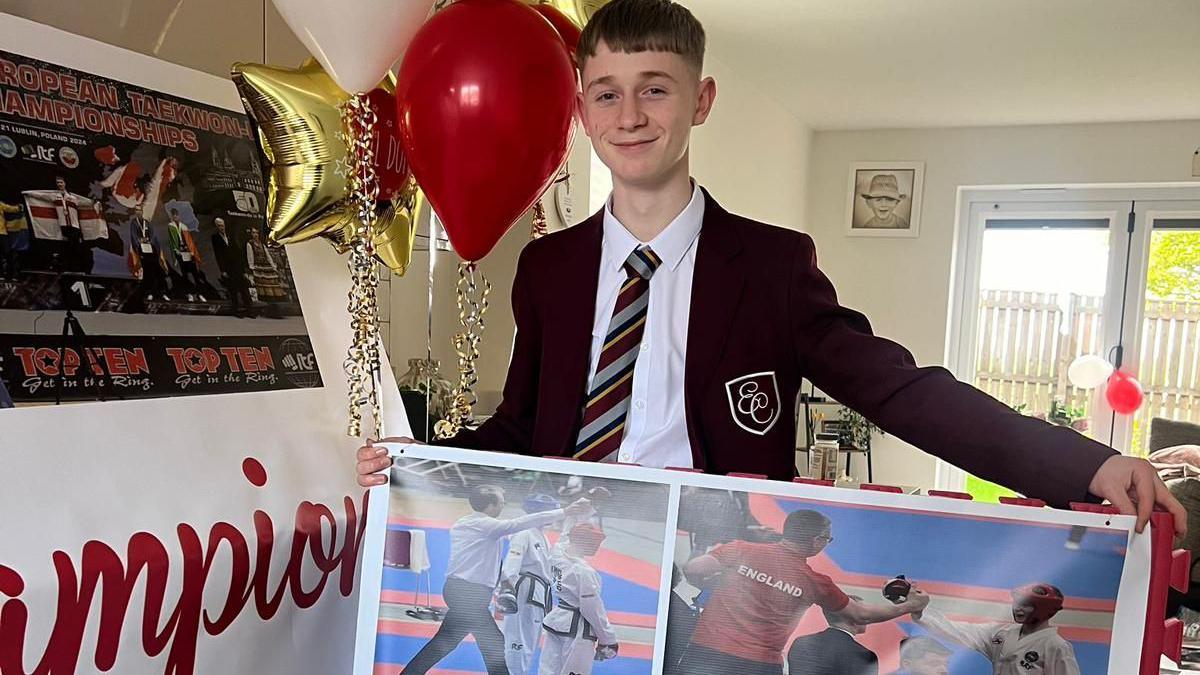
[[189, 535], [139, 207], [551, 567], [50, 368], [183, 535]]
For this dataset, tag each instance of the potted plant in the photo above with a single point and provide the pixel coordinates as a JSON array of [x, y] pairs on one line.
[[855, 431], [1060, 414]]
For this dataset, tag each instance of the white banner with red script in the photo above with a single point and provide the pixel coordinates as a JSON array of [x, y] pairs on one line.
[[186, 534], [203, 534]]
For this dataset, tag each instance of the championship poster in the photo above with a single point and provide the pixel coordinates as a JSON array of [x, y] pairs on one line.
[[140, 212], [500, 563]]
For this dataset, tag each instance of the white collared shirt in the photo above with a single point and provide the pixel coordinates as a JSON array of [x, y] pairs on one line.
[[475, 543], [656, 428]]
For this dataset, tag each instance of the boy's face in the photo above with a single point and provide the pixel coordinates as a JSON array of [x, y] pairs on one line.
[[1022, 612], [497, 506], [882, 206], [638, 110], [819, 542]]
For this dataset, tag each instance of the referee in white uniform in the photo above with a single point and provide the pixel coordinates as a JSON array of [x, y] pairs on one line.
[[471, 576]]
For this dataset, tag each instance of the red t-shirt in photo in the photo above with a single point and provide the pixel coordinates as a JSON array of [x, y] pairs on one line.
[[759, 600]]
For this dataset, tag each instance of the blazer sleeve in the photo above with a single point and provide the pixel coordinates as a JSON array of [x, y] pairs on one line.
[[927, 406], [511, 428]]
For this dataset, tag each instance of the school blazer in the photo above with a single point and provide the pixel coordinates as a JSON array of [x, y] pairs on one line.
[[763, 317]]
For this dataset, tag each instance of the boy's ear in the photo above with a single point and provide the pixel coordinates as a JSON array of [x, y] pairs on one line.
[[580, 114], [705, 98]]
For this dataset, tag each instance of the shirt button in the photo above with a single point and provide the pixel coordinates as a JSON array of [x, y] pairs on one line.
[[640, 405], [645, 346], [623, 457]]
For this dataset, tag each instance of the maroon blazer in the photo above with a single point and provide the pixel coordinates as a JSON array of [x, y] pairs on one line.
[[763, 316]]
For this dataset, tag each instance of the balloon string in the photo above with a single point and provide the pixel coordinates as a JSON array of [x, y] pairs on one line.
[[363, 361], [472, 299]]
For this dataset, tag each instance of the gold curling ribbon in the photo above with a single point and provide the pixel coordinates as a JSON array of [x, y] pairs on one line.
[[472, 305], [362, 365]]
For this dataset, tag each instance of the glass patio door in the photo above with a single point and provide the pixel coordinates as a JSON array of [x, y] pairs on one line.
[[1043, 292]]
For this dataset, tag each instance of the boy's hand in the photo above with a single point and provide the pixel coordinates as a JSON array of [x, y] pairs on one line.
[[373, 460], [1132, 485]]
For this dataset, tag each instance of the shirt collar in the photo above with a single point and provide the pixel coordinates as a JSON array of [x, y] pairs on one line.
[[670, 245]]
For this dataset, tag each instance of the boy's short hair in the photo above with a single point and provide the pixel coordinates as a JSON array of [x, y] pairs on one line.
[[804, 525], [632, 26], [483, 496]]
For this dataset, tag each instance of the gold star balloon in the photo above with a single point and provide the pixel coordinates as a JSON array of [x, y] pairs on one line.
[[395, 235], [395, 229], [578, 11], [299, 121], [298, 116]]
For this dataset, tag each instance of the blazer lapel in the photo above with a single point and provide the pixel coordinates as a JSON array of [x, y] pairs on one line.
[[571, 336], [716, 291]]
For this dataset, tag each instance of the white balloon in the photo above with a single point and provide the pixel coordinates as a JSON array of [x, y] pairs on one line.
[[356, 41], [1089, 371]]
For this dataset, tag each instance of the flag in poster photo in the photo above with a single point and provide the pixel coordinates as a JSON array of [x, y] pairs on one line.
[[146, 207]]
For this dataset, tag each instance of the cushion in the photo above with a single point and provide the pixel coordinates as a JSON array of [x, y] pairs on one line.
[[1165, 433], [1187, 491]]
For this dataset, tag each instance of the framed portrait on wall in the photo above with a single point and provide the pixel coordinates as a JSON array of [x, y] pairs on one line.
[[885, 199]]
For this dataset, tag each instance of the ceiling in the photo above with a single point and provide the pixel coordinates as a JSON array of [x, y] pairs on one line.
[[207, 35], [845, 64], [833, 64]]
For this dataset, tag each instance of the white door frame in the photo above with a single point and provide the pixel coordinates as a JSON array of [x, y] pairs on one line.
[[973, 204]]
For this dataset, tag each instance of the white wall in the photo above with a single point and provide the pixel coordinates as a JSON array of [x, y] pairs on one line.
[[751, 153], [903, 285]]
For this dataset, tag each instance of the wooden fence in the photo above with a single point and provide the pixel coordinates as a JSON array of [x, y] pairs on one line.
[[1027, 340]]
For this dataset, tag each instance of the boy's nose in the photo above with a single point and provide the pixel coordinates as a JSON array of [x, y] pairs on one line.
[[631, 114]]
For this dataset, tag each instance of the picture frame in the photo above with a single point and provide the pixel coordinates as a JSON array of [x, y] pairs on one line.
[[884, 199]]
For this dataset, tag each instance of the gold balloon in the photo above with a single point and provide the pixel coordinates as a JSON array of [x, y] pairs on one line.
[[578, 11], [299, 128], [298, 115], [395, 229], [394, 243]]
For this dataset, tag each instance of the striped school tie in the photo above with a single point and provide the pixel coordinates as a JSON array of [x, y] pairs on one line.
[[608, 400]]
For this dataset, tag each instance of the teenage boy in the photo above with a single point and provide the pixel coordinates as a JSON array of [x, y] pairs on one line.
[[666, 331]]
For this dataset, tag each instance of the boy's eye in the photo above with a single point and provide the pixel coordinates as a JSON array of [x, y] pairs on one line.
[[656, 91], [606, 96]]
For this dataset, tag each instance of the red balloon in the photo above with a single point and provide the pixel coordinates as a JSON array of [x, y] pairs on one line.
[[391, 168], [485, 97], [1124, 392], [566, 28]]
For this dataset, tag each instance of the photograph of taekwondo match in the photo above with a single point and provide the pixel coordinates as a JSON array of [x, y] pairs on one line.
[[498, 570], [768, 584]]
